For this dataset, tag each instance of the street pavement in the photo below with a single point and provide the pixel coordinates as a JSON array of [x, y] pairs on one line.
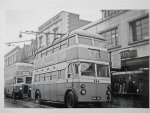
[[117, 102]]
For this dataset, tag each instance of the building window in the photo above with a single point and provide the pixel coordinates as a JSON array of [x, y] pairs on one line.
[[40, 41], [140, 29], [111, 37]]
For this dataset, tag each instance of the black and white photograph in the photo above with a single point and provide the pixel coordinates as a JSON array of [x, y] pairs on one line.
[[67, 54]]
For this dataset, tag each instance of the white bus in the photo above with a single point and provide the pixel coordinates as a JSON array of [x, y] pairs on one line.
[[73, 69], [18, 78]]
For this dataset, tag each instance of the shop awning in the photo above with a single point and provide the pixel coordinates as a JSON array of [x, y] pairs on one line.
[[127, 72], [136, 63]]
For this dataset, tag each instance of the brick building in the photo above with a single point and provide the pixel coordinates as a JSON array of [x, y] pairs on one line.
[[18, 62], [62, 23]]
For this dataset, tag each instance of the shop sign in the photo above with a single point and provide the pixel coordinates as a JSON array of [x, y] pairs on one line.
[[128, 54], [110, 13], [26, 73]]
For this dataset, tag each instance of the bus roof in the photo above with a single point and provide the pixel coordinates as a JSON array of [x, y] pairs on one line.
[[88, 34]]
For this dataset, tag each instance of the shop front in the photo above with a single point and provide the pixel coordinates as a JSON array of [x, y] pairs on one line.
[[133, 77]]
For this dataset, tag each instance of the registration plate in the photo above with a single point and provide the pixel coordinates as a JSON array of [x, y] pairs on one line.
[[96, 98]]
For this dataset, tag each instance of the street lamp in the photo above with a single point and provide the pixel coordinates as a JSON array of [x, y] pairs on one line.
[[35, 32]]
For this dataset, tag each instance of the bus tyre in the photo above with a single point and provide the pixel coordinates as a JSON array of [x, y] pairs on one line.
[[13, 95], [37, 98], [70, 100]]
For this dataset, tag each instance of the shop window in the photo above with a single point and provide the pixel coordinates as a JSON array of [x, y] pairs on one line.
[[111, 37], [140, 29]]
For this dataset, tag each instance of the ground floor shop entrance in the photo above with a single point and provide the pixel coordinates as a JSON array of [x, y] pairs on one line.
[[132, 79]]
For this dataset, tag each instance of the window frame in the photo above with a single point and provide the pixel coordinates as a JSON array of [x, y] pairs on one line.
[[109, 42], [134, 26]]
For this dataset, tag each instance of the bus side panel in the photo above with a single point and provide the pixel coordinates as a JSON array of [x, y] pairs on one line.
[[9, 90], [53, 95], [41, 88], [46, 92], [34, 87], [61, 89]]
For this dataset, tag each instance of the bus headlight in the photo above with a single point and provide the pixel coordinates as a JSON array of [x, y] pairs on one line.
[[82, 86], [20, 88], [108, 92], [83, 92], [109, 87], [108, 98]]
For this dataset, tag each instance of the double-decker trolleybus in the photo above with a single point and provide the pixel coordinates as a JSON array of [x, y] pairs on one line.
[[73, 69], [18, 78]]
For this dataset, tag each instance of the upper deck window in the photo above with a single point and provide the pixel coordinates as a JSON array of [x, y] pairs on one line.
[[99, 43], [72, 41], [85, 40]]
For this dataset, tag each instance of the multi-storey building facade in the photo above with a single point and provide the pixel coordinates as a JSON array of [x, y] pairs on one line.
[[62, 23], [10, 59], [127, 36], [18, 70]]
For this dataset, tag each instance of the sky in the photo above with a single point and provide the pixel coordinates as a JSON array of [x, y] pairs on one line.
[[31, 18], [16, 15]]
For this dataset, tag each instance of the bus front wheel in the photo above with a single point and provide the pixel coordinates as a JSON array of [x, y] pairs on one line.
[[70, 100]]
